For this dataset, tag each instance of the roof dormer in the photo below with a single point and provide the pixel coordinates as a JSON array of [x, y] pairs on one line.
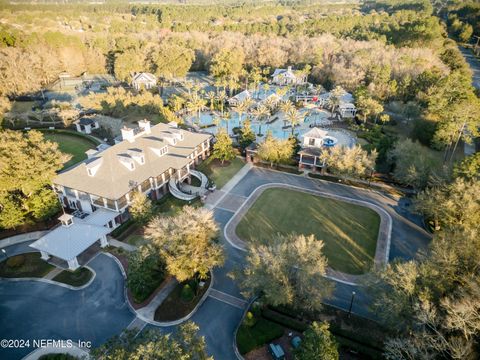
[[138, 155], [126, 161], [178, 134], [93, 166], [160, 151], [170, 138]]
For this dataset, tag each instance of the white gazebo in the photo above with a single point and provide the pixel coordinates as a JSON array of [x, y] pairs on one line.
[[75, 235]]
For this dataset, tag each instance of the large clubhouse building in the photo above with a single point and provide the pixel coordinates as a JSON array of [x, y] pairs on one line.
[[97, 192]]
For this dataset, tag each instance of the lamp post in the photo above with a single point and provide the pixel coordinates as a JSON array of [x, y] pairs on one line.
[[351, 304]]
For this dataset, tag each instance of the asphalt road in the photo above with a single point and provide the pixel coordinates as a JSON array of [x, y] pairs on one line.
[[474, 65], [36, 310]]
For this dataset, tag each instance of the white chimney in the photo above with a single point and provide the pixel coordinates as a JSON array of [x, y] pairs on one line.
[[289, 68], [144, 125], [128, 134]]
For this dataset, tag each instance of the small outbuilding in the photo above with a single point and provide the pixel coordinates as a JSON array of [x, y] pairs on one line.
[[86, 125], [144, 80]]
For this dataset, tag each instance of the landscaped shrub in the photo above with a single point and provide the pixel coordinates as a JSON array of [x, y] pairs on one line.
[[187, 293], [122, 228], [16, 261], [145, 273], [250, 319], [284, 320], [57, 357]]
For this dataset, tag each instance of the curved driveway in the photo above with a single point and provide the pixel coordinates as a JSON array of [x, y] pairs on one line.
[[32, 309], [36, 310]]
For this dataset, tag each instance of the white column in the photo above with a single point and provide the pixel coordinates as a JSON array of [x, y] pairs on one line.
[[103, 241], [44, 256], [79, 129], [73, 264], [88, 129]]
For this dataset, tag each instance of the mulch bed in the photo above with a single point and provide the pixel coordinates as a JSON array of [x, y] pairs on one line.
[[174, 308], [123, 260]]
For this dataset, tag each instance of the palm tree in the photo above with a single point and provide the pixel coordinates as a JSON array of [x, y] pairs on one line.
[[336, 97], [226, 117], [294, 117], [221, 97], [266, 87], [259, 113], [211, 98], [287, 106], [271, 103], [195, 104], [189, 86], [242, 107]]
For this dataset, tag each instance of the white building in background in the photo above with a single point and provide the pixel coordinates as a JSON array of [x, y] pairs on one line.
[[144, 80], [240, 97], [86, 125], [289, 77]]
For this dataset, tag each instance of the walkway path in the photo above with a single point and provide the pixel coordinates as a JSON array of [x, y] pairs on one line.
[[147, 313], [119, 244], [53, 273], [228, 299]]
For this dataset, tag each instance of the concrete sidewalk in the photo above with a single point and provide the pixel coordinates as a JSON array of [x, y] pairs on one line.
[[213, 199], [148, 312]]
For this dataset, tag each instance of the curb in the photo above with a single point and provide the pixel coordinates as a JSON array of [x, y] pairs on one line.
[[381, 257], [186, 317], [53, 282], [159, 323], [235, 347]]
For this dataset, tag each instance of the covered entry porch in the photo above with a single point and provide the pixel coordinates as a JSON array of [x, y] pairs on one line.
[[66, 243]]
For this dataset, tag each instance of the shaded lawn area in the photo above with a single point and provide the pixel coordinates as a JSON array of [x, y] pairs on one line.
[[169, 205], [218, 173], [176, 306], [348, 231], [136, 240], [74, 145], [252, 337], [77, 278], [25, 265]]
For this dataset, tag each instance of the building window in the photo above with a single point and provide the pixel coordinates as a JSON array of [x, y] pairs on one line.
[[311, 142]]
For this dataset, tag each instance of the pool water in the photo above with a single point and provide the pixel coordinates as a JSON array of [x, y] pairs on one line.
[[280, 128]]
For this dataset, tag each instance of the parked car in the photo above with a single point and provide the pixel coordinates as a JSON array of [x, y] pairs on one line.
[[276, 351]]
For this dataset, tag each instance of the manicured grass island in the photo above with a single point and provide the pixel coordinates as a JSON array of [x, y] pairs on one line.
[[348, 231], [75, 278], [71, 143], [25, 265], [221, 174]]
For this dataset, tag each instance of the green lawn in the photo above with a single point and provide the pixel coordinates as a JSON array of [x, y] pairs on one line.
[[218, 173], [263, 332], [348, 231], [71, 144], [77, 278], [25, 265], [136, 240]]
